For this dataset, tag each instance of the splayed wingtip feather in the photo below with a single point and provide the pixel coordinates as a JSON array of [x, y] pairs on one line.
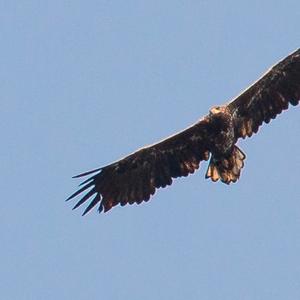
[[84, 198], [87, 173], [92, 204], [80, 191]]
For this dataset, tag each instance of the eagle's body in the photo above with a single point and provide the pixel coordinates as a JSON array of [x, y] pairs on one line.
[[135, 178], [223, 140], [226, 158]]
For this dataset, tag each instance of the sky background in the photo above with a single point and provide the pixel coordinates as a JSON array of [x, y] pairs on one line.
[[84, 83]]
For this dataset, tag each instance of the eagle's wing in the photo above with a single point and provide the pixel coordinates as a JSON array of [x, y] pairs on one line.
[[135, 178], [268, 96]]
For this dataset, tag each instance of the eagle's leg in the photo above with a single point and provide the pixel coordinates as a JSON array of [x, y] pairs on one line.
[[227, 169]]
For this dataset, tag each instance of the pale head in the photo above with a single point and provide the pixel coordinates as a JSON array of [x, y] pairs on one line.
[[216, 110]]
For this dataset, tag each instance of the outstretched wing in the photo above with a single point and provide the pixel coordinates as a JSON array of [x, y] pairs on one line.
[[135, 178], [267, 97]]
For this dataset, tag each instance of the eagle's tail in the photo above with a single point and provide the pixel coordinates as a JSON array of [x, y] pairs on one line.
[[227, 169]]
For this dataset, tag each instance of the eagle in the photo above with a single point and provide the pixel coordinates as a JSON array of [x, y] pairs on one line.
[[135, 178]]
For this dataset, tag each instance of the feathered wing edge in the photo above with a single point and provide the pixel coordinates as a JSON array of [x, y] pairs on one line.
[[88, 183], [268, 96], [136, 177]]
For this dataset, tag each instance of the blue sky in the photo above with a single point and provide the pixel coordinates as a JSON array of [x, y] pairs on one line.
[[84, 83]]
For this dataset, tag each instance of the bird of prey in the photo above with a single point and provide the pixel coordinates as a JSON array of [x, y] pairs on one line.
[[135, 178]]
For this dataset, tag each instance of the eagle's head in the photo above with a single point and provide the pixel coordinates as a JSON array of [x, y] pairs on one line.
[[216, 110]]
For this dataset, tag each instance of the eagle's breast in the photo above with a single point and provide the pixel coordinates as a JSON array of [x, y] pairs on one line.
[[223, 139]]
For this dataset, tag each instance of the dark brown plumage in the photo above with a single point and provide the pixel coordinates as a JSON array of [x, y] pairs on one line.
[[135, 178]]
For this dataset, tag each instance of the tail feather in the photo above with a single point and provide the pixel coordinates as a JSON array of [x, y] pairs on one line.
[[227, 169]]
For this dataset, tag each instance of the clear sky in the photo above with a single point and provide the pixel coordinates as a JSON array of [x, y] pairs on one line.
[[84, 83]]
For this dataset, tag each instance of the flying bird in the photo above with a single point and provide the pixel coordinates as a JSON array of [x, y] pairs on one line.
[[136, 177]]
